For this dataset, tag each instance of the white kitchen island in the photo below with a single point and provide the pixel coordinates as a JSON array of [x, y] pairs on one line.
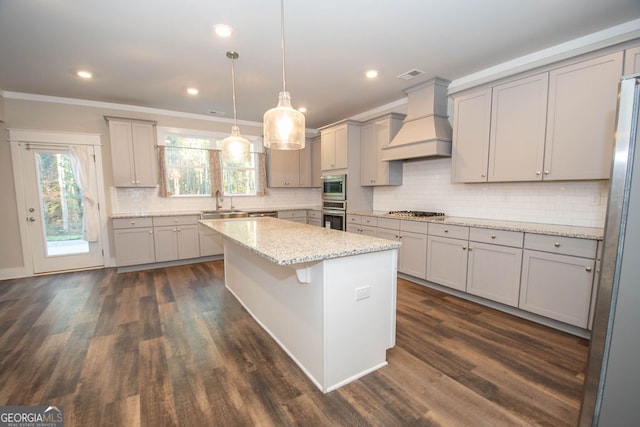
[[326, 296]]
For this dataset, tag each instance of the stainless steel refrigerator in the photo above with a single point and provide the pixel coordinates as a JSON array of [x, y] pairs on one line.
[[612, 383]]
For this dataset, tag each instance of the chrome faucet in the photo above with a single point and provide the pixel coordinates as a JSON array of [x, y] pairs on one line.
[[219, 199]]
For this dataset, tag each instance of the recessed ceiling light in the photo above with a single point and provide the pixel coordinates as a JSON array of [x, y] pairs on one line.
[[84, 74], [223, 30], [371, 74], [192, 91], [302, 109]]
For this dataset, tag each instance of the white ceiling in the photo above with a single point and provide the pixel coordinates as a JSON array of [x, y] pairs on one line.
[[146, 53]]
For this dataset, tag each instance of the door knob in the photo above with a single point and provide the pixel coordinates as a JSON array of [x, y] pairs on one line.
[[31, 219], [32, 210]]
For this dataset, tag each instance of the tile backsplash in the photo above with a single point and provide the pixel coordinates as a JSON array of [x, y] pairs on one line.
[[427, 186], [146, 200]]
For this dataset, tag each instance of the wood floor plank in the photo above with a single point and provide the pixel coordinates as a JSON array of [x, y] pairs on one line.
[[173, 347]]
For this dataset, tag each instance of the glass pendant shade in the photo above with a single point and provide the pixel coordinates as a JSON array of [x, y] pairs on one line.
[[284, 127], [235, 148]]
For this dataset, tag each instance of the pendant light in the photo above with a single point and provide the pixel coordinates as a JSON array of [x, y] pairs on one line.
[[235, 148], [283, 126]]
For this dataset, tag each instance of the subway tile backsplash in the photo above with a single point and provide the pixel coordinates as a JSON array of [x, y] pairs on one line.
[[427, 186]]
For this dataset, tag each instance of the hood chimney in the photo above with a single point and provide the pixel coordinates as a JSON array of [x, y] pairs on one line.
[[426, 131]]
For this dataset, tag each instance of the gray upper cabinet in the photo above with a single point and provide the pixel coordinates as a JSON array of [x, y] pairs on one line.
[[583, 98], [471, 125], [632, 60], [518, 119], [554, 125], [133, 152], [289, 168], [316, 167], [374, 135]]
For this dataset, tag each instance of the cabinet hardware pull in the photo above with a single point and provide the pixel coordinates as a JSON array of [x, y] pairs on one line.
[[493, 236], [446, 230], [537, 172], [150, 231], [556, 244], [546, 172], [464, 248], [483, 175], [589, 269]]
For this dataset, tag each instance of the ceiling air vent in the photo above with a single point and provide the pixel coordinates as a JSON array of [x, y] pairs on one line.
[[217, 113], [411, 74]]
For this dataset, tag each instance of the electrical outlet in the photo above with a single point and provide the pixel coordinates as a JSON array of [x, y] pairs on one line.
[[363, 292]]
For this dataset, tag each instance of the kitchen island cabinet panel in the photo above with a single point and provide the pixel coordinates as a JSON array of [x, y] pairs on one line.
[[471, 125], [447, 262], [210, 241]]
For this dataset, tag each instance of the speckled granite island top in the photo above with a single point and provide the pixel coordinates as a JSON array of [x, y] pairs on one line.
[[287, 242]]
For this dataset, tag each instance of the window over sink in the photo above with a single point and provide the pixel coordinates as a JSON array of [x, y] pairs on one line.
[[187, 166]]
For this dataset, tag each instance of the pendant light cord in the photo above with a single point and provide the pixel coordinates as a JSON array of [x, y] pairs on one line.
[[284, 80], [233, 88]]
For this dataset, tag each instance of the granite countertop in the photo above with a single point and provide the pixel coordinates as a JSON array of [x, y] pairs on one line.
[[286, 243], [525, 227]]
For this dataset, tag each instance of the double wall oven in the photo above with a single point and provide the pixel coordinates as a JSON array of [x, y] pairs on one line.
[[334, 202]]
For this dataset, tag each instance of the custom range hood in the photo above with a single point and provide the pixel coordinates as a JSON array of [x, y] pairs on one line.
[[426, 131]]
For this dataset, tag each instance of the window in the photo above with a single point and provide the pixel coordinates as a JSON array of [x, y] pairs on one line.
[[187, 169]]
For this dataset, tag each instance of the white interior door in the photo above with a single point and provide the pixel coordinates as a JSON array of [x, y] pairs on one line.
[[55, 211]]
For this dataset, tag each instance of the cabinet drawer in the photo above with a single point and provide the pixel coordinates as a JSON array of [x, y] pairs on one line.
[[132, 222], [561, 245], [354, 219], [445, 230], [159, 221], [392, 224], [313, 214], [497, 237], [299, 213], [415, 226], [371, 221]]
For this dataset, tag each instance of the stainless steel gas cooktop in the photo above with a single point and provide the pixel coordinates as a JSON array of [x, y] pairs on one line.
[[410, 214]]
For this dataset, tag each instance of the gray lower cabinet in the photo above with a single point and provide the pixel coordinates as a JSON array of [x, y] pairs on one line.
[[176, 237], [494, 265], [412, 256], [133, 241], [211, 242], [447, 255], [299, 215], [314, 217], [557, 282]]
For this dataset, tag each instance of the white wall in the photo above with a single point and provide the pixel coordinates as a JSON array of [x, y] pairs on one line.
[[427, 186]]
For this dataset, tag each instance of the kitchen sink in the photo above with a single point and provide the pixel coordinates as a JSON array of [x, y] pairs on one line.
[[221, 213]]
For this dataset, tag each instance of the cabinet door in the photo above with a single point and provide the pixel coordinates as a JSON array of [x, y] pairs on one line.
[[494, 272], [284, 168], [166, 243], [328, 149], [471, 120], [412, 256], [557, 286], [368, 155], [144, 154], [316, 164], [210, 242], [121, 142], [188, 243], [518, 119], [134, 246], [581, 119], [341, 147], [447, 262], [632, 60]]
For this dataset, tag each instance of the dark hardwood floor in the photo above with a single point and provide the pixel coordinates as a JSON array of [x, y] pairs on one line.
[[172, 347]]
